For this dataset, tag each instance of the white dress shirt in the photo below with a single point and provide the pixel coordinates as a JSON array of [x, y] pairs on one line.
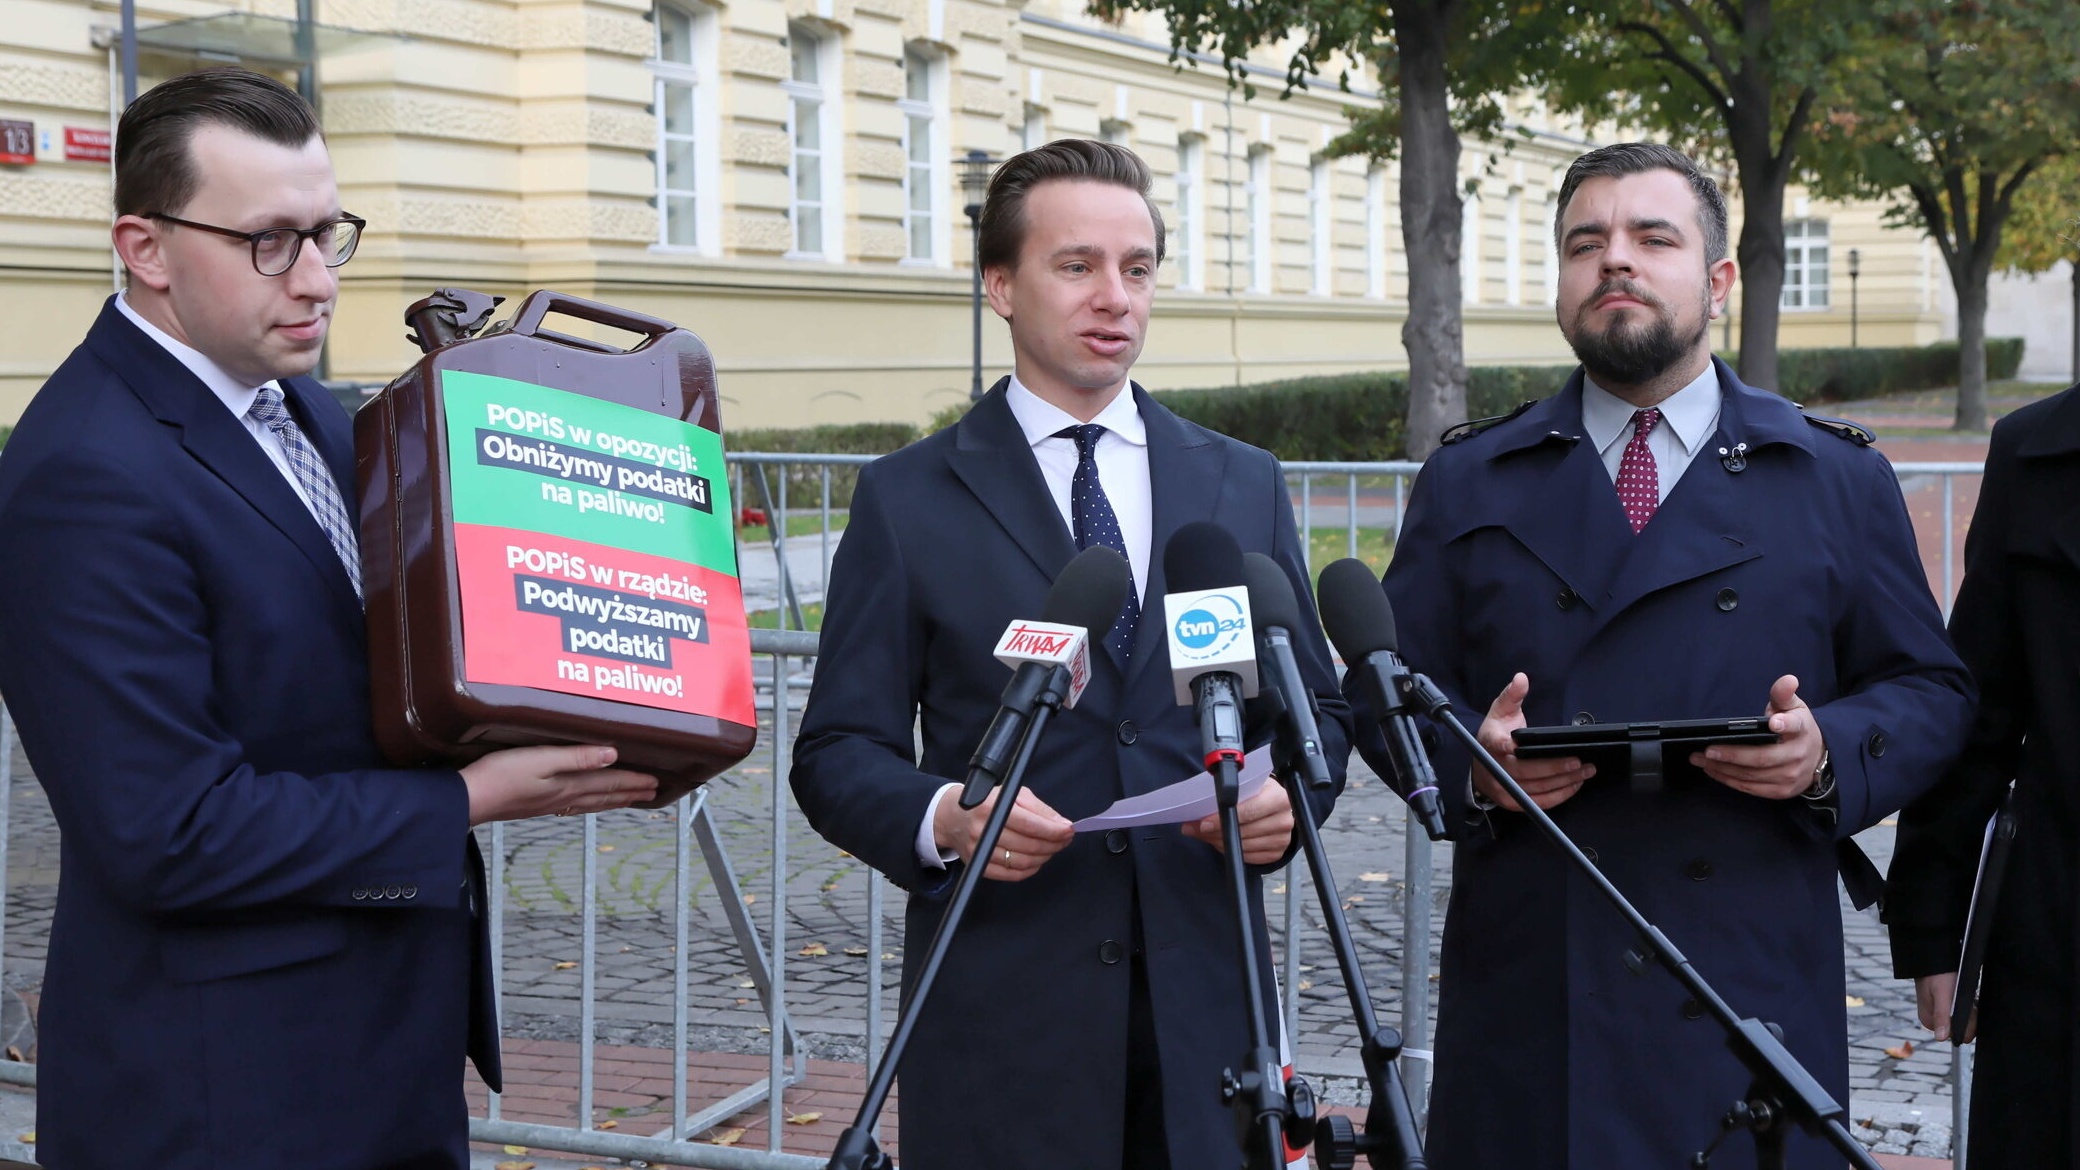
[[1122, 457], [1688, 418], [235, 395]]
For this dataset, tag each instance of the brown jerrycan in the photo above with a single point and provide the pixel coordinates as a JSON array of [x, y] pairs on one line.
[[549, 546]]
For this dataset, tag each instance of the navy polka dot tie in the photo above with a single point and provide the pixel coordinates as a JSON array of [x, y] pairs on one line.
[[1639, 479], [1096, 523]]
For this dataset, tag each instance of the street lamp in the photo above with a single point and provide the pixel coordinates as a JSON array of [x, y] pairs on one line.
[[975, 170], [1855, 270]]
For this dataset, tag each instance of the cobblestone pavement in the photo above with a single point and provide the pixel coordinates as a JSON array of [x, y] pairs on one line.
[[1903, 1095]]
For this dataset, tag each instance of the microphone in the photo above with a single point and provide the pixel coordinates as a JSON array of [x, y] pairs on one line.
[[1360, 622], [1213, 653], [1086, 596], [1277, 616]]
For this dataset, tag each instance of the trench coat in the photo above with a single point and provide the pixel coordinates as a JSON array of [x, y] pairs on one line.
[[2017, 624], [1785, 548], [1020, 1057]]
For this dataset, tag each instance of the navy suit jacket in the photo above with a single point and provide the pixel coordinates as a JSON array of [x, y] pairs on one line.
[[1020, 1056], [263, 950], [1783, 549]]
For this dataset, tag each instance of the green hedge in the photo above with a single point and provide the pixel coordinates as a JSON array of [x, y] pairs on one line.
[[1839, 375], [805, 483]]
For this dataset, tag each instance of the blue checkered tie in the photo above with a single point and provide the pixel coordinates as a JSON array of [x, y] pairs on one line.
[[1096, 523], [313, 477]]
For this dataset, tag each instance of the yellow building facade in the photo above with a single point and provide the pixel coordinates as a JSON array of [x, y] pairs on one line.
[[781, 176]]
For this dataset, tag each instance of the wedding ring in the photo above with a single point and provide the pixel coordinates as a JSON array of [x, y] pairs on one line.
[[1007, 857]]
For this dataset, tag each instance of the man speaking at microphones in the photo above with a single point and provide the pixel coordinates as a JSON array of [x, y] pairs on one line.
[[1092, 996], [1657, 541]]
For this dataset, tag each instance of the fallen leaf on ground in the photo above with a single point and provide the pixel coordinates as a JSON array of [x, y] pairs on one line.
[[813, 951], [516, 1166], [727, 1137], [516, 1149], [1307, 985], [29, 1139], [804, 1118], [565, 965], [747, 983], [606, 849], [1855, 1001], [610, 1123], [1374, 876], [1905, 1049], [855, 951]]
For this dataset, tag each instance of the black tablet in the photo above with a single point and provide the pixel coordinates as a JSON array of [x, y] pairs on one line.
[[1647, 749], [1978, 923]]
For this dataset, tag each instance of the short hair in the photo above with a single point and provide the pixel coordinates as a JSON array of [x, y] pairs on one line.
[[155, 169], [1633, 158], [1001, 230]]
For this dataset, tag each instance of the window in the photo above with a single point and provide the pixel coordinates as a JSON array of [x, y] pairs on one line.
[[814, 151], [1552, 242], [687, 163], [1035, 131], [1805, 264], [1187, 241], [1376, 233], [924, 187], [1470, 249], [1257, 195], [1321, 206], [1114, 131]]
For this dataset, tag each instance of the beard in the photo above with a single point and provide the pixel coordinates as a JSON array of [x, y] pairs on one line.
[[1628, 352]]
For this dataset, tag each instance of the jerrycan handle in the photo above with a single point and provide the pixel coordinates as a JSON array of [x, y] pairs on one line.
[[528, 321]]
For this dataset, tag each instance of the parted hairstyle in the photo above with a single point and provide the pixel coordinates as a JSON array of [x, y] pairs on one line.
[[155, 169], [1633, 158], [1001, 232]]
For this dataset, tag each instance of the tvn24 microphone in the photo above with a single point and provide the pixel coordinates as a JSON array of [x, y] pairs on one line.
[[1360, 622], [1086, 597], [1277, 615], [1213, 650]]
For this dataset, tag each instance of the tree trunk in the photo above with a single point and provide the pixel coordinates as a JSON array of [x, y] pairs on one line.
[[1433, 334], [1971, 350], [1761, 255]]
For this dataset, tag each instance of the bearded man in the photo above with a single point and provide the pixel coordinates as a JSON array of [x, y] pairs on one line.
[[1657, 541]]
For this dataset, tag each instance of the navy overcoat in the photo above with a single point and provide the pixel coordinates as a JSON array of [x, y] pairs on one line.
[[1784, 549], [1020, 1056], [263, 952]]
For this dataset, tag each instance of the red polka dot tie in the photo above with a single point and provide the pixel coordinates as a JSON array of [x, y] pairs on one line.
[[1639, 480]]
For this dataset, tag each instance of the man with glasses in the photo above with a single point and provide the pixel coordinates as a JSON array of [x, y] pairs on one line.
[[268, 949]]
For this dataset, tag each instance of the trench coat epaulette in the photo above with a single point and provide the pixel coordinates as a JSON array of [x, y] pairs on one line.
[[1469, 429], [1842, 428]]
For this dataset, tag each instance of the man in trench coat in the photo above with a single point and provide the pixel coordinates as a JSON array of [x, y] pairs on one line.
[[1657, 541], [2017, 625]]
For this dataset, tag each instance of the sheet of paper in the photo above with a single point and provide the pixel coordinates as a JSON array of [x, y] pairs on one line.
[[1186, 800]]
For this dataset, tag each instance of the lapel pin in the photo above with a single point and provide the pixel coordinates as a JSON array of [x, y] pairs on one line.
[[1736, 460]]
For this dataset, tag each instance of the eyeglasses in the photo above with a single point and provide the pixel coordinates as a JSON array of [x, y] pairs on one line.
[[276, 249]]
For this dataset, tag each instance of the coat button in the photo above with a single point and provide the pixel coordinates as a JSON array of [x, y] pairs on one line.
[[1878, 744], [1128, 733], [394, 892], [1568, 599], [1728, 600], [1583, 719], [361, 895], [1693, 1010], [1110, 952], [1115, 840], [1589, 851], [1698, 870], [411, 892]]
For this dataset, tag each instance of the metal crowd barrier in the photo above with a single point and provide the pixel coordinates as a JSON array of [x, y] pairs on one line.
[[766, 960]]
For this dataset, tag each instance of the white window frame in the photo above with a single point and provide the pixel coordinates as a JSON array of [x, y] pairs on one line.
[[1802, 293], [822, 97], [1115, 131], [932, 110], [1376, 233], [1033, 134], [1513, 248], [1552, 273], [1470, 248], [1188, 239], [1260, 196], [1321, 214], [696, 75]]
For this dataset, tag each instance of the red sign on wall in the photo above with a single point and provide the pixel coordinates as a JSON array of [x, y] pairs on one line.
[[85, 145], [17, 142]]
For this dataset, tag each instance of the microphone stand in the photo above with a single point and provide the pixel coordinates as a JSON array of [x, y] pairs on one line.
[[856, 1148], [1391, 1138], [1781, 1090]]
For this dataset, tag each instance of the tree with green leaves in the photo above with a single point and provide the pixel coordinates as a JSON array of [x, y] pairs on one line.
[[2044, 228], [1444, 67], [1730, 81], [1947, 113]]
